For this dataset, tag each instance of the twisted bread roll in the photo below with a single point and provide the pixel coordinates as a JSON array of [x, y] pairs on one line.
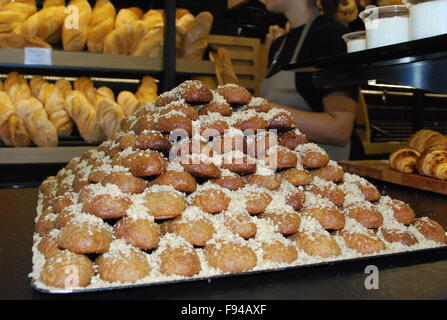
[[14, 13], [196, 39], [137, 11], [45, 24], [109, 115], [12, 79], [64, 85], [84, 115], [85, 85], [54, 103], [36, 84], [19, 92], [12, 129], [40, 128], [404, 160], [433, 162], [418, 140], [128, 102], [75, 28], [105, 92], [12, 40], [101, 24], [13, 132], [147, 91]]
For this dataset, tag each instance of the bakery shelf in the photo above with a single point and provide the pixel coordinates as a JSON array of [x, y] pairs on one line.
[[86, 61], [419, 64], [40, 155]]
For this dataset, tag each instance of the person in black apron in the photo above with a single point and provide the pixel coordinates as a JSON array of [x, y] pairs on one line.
[[325, 116]]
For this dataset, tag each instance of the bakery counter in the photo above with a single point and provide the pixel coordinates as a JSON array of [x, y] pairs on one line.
[[411, 276]]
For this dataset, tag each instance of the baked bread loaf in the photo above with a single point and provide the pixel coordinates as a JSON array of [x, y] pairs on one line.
[[83, 114], [404, 160], [224, 67], [109, 115], [45, 24], [101, 24], [128, 32], [12, 129], [40, 128], [128, 102], [53, 101], [85, 85], [14, 13], [12, 40], [76, 23], [147, 91], [64, 85], [433, 162], [153, 19], [195, 40]]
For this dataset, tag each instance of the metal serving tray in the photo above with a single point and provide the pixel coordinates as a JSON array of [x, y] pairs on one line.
[[441, 249]]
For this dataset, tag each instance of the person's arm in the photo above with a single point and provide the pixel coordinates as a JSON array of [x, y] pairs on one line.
[[334, 125]]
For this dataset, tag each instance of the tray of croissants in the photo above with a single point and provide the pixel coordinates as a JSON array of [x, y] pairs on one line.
[[208, 183], [76, 26], [45, 113]]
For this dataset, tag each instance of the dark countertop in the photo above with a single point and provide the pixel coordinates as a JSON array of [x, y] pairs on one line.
[[410, 276]]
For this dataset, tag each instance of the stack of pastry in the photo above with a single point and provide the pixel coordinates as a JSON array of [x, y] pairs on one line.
[[100, 29], [44, 112], [203, 183], [425, 153]]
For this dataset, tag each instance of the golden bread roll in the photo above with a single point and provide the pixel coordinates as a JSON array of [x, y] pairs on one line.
[[14, 133], [36, 84], [54, 103], [19, 92], [184, 24], [45, 24], [12, 79], [128, 102], [64, 85], [195, 40], [41, 129], [404, 160], [12, 40], [75, 27], [14, 13], [147, 91], [84, 115], [101, 24], [85, 85], [153, 19]]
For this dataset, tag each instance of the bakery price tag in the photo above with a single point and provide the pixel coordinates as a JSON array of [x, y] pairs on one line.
[[38, 56]]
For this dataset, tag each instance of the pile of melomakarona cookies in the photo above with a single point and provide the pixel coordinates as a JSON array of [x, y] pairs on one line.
[[208, 182]]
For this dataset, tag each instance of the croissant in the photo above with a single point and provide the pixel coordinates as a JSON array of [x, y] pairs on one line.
[[128, 102], [433, 162], [14, 13], [36, 121], [45, 24], [109, 115], [147, 91], [419, 139], [75, 28], [404, 160], [101, 24], [54, 103], [84, 115]]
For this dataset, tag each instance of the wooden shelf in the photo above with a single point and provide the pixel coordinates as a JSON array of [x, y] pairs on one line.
[[86, 61], [40, 155]]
